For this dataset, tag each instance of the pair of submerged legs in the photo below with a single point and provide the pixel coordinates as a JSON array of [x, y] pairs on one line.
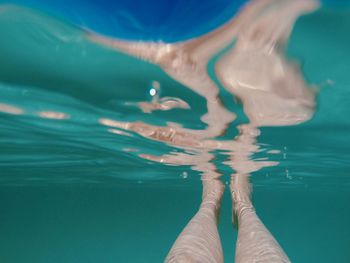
[[200, 242]]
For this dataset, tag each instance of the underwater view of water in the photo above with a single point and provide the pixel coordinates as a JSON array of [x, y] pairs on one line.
[[108, 135]]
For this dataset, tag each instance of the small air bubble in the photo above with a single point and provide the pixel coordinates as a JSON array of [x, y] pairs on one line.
[[184, 175]]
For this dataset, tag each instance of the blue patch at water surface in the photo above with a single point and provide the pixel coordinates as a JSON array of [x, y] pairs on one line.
[[147, 20], [164, 20]]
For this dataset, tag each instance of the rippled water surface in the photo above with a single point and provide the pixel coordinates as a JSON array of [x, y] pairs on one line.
[[102, 153]]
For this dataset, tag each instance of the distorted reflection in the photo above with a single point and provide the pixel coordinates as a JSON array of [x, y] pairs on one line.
[[10, 109], [163, 104], [273, 93], [158, 103], [53, 115]]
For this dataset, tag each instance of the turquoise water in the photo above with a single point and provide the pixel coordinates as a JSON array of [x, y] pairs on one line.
[[71, 191]]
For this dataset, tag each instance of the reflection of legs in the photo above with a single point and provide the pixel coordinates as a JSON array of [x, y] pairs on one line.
[[199, 241], [255, 243]]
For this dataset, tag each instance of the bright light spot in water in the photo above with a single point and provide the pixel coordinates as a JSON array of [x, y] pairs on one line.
[[152, 92], [119, 132]]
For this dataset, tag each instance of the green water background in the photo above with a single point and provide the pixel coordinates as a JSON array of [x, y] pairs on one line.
[[68, 193]]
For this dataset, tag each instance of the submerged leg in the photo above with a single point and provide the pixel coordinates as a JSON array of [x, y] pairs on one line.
[[255, 243], [199, 242]]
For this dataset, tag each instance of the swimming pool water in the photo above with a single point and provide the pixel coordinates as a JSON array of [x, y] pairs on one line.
[[74, 190]]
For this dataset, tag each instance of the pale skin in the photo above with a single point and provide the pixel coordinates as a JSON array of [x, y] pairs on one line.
[[200, 242], [255, 243]]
